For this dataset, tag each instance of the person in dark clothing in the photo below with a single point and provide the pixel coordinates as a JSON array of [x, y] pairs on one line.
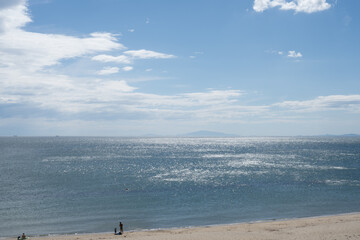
[[121, 228]]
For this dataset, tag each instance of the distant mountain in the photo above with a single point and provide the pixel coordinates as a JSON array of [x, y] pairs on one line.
[[208, 134]]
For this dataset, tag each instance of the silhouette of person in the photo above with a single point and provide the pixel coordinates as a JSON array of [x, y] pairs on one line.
[[121, 228]]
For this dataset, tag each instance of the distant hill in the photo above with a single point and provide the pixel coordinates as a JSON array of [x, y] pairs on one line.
[[208, 134]]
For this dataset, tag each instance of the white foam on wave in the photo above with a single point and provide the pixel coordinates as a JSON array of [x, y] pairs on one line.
[[308, 166], [68, 158], [342, 182], [87, 158]]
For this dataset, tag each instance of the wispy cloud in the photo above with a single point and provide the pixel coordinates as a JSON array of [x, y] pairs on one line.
[[294, 54], [325, 103], [290, 54], [34, 51], [30, 51], [116, 59], [127, 68], [147, 54], [307, 6], [108, 70], [28, 58], [128, 57], [32, 87]]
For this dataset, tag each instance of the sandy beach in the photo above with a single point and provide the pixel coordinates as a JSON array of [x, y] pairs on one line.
[[329, 227]]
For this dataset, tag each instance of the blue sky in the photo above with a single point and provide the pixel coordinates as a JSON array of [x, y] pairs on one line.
[[127, 68]]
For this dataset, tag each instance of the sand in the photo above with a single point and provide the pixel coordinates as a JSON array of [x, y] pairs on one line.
[[330, 227]]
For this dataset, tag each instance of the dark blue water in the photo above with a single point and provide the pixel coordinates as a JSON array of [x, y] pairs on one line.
[[56, 185]]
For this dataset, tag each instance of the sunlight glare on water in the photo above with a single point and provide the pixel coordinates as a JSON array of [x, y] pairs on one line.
[[84, 184]]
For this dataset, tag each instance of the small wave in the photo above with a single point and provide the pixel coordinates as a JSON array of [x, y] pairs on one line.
[[308, 166], [67, 159], [343, 182], [82, 158]]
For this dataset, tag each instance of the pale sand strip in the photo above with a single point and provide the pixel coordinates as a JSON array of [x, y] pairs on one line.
[[330, 227]]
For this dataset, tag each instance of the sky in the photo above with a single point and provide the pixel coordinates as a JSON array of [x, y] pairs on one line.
[[142, 67]]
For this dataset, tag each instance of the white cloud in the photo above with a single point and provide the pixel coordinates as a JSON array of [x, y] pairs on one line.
[[131, 30], [111, 98], [13, 14], [28, 74], [27, 79], [307, 6], [129, 56], [59, 93], [108, 58], [290, 54], [294, 54], [31, 51], [213, 97], [147, 54], [24, 56], [127, 68], [324, 103], [148, 70], [108, 70], [34, 51], [261, 5]]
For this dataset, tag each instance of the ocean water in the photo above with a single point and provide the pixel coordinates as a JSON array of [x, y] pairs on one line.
[[65, 185]]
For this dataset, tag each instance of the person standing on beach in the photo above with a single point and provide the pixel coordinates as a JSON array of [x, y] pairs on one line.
[[121, 228], [115, 230]]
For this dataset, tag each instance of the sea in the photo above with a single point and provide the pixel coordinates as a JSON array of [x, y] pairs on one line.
[[74, 185]]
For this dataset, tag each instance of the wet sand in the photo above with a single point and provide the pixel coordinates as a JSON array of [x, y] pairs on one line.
[[337, 227]]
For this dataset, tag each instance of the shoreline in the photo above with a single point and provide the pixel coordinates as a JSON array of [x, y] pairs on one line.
[[339, 226]]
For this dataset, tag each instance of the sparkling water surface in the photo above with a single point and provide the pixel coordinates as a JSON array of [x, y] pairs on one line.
[[60, 185]]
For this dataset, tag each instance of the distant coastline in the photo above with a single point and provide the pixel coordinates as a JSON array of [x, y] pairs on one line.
[[201, 133]]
